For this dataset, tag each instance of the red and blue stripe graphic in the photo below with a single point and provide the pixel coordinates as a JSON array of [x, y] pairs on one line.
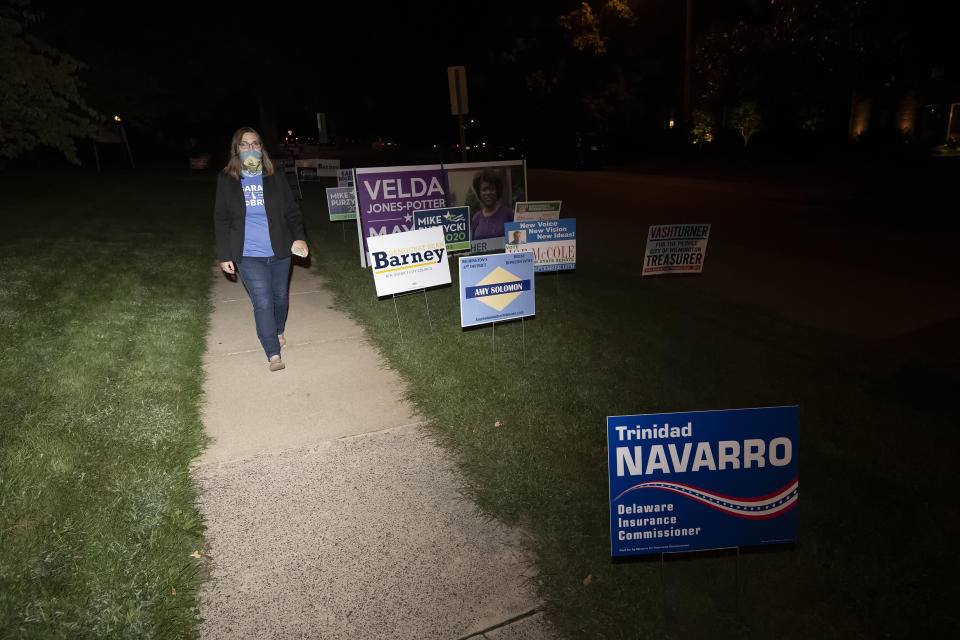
[[759, 508]]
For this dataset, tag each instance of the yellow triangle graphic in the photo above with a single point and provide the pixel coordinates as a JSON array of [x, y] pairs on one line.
[[501, 300]]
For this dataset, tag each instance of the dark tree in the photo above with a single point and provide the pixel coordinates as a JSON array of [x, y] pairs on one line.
[[40, 100]]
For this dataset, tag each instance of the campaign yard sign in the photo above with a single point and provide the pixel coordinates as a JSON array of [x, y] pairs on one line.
[[702, 480], [345, 177], [552, 242], [341, 203], [496, 287], [312, 169], [409, 260], [389, 196], [455, 222], [675, 248], [537, 210]]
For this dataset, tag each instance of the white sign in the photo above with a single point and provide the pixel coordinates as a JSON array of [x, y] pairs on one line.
[[310, 169], [537, 210], [409, 260], [675, 248], [457, 79], [345, 178]]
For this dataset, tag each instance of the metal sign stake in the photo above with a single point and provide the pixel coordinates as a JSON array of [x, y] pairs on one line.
[[427, 304], [398, 316], [523, 339]]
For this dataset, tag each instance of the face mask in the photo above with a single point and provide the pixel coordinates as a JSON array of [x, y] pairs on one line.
[[251, 159]]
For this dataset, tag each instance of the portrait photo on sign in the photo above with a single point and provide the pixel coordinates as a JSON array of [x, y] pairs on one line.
[[490, 190], [517, 236]]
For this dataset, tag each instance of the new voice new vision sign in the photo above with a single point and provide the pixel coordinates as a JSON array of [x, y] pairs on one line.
[[702, 480]]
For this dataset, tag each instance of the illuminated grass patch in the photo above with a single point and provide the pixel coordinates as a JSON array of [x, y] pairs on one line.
[[103, 313], [874, 558]]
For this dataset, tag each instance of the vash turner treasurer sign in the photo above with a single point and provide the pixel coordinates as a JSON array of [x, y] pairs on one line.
[[455, 222], [552, 242], [408, 260], [703, 480], [342, 203], [496, 287], [675, 248]]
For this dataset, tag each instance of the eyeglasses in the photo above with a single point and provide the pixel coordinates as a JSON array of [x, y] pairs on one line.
[[248, 145]]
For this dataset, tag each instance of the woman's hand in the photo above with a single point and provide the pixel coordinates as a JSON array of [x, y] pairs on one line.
[[228, 267], [299, 248]]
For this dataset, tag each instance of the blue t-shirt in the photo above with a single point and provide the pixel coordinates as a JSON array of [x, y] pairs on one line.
[[256, 233]]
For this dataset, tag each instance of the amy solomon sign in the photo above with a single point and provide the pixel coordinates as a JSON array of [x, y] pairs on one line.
[[675, 248], [409, 260], [496, 287], [702, 480]]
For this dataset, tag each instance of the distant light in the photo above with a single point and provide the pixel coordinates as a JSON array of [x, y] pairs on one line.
[[434, 146], [289, 132], [116, 118], [483, 144], [471, 120], [672, 123]]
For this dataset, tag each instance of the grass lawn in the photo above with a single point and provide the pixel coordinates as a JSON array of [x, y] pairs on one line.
[[104, 285], [877, 449]]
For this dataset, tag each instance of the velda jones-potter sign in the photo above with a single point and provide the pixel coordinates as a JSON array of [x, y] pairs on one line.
[[702, 480]]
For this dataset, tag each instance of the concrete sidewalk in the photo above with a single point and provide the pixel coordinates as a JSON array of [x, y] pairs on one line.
[[330, 514]]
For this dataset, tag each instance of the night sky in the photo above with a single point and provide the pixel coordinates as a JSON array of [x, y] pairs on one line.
[[375, 69], [194, 71]]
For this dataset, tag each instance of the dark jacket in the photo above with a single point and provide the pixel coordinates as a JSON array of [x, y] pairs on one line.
[[230, 213]]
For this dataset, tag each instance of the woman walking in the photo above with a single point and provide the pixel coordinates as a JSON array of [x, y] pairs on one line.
[[258, 225]]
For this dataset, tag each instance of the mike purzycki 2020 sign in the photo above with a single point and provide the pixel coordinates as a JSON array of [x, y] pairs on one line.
[[409, 260], [702, 480]]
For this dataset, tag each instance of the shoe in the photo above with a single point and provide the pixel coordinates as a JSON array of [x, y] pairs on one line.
[[276, 363], [283, 341]]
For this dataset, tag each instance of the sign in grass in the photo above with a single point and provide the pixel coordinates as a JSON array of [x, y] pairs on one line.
[[496, 287], [342, 203], [388, 196], [702, 480], [313, 169], [409, 260], [453, 220], [552, 242], [537, 210], [675, 248]]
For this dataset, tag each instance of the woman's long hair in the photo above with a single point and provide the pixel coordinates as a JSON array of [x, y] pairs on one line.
[[234, 167], [490, 176]]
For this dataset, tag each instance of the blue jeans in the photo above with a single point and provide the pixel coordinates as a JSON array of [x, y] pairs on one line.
[[266, 281]]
